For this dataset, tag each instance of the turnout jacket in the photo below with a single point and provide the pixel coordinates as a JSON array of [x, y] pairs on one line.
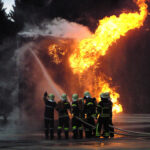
[[49, 108], [90, 107], [75, 109], [104, 108], [62, 108]]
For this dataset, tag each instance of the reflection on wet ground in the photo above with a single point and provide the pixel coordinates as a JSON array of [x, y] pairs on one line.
[[14, 138]]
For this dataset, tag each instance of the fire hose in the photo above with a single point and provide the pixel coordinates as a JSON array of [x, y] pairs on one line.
[[127, 132], [131, 132]]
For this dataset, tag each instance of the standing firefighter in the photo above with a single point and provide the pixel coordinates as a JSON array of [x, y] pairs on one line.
[[63, 107], [76, 124], [104, 110], [49, 115], [90, 114]]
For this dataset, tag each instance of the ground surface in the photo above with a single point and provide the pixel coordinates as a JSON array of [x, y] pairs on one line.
[[12, 139]]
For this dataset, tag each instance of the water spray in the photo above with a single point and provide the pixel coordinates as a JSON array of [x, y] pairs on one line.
[[45, 73]]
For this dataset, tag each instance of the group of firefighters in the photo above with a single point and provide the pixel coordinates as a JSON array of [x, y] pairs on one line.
[[85, 112]]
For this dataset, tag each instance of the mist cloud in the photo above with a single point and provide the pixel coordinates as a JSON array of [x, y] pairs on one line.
[[59, 28]]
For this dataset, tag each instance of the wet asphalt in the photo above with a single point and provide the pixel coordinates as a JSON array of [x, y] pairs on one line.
[[12, 138]]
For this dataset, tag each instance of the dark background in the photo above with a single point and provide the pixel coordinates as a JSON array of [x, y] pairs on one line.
[[127, 62]]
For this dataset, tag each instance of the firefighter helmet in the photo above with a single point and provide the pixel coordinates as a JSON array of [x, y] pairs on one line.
[[87, 94], [75, 97], [105, 95], [64, 97], [51, 96]]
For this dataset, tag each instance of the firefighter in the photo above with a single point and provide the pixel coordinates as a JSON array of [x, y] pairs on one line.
[[63, 107], [90, 114], [75, 113], [104, 110], [50, 105]]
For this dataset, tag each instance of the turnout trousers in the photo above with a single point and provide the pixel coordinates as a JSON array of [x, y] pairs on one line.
[[110, 128], [77, 128], [49, 127], [89, 131], [63, 123], [103, 122]]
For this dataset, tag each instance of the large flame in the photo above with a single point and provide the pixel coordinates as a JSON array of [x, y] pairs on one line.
[[103, 86], [109, 30], [88, 51]]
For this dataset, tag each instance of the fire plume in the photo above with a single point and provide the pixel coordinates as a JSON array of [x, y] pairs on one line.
[[109, 30], [89, 50]]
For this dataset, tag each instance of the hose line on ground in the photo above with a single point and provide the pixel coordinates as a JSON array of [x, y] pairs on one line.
[[130, 133]]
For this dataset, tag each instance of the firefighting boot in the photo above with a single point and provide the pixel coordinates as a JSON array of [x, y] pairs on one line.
[[46, 134], [106, 135], [94, 133], [59, 134], [75, 135], [66, 134], [111, 132], [87, 134], [80, 134], [90, 134], [74, 128], [51, 134]]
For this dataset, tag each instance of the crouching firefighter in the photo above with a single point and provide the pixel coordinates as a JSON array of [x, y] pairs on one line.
[[63, 107], [104, 111], [76, 123], [90, 114], [50, 105]]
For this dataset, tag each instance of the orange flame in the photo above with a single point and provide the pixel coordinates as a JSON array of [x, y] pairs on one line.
[[90, 49], [109, 30], [103, 86], [57, 51]]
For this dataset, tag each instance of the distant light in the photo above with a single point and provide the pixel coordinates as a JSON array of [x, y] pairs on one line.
[[8, 5]]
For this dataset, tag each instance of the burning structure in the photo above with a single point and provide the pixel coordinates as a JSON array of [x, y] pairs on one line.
[[76, 64]]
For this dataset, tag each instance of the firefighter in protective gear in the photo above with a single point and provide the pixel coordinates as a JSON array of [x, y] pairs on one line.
[[90, 114], [50, 105], [76, 124], [63, 107], [104, 110]]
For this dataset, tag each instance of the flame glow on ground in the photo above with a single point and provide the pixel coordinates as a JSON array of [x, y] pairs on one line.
[[89, 50]]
